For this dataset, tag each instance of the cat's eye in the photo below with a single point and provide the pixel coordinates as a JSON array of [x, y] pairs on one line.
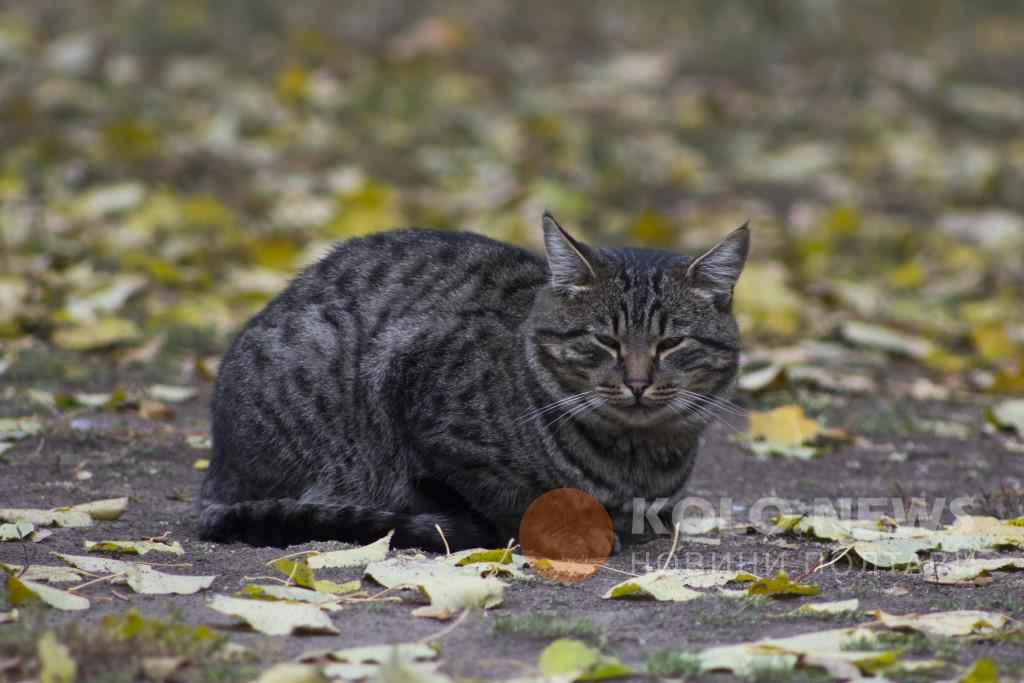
[[610, 343], [670, 344]]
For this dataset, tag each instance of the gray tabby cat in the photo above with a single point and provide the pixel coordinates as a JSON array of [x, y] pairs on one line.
[[419, 378]]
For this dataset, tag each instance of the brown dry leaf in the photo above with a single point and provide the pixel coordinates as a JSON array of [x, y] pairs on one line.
[[154, 410]]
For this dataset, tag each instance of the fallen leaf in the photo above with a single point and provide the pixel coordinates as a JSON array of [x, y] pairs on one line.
[[40, 572], [63, 518], [103, 510], [326, 601], [815, 609], [1008, 415], [104, 333], [201, 464], [780, 586], [965, 571], [302, 574], [161, 668], [576, 661], [432, 612], [786, 425], [289, 672], [144, 579], [134, 547], [16, 531], [444, 585], [782, 654], [354, 557], [17, 428], [984, 670], [171, 394], [96, 565], [275, 618], [657, 585], [55, 662], [946, 624], [892, 553], [885, 339], [675, 585], [357, 663], [154, 410], [21, 592]]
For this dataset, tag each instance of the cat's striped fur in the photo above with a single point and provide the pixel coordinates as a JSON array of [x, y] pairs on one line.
[[419, 377]]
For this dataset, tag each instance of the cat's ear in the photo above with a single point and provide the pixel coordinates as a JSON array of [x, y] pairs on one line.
[[719, 268], [568, 260]]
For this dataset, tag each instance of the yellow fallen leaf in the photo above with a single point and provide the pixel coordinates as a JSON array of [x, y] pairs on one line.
[[786, 425], [201, 464], [55, 662], [99, 335]]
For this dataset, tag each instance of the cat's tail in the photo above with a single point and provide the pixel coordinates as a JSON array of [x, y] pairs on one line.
[[283, 522]]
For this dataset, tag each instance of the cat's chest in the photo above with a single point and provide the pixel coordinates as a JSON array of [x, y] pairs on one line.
[[621, 467]]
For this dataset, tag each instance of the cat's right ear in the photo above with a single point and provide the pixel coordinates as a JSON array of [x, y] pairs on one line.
[[568, 260]]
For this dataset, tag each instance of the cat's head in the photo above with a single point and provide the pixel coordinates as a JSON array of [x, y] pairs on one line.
[[639, 337]]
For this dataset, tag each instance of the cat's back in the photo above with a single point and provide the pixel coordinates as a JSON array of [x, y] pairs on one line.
[[403, 272], [372, 294]]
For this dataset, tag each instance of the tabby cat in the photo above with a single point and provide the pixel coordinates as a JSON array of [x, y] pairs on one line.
[[417, 378]]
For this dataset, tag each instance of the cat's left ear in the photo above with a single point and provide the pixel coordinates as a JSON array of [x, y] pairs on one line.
[[719, 268], [568, 260]]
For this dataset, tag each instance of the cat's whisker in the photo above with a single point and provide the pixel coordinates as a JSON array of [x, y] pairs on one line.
[[725, 405], [575, 411], [684, 405], [554, 405]]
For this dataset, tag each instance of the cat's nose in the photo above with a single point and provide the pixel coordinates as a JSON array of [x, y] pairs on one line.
[[638, 387]]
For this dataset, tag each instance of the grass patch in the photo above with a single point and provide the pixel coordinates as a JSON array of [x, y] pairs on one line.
[[673, 663], [548, 626], [115, 650], [781, 674]]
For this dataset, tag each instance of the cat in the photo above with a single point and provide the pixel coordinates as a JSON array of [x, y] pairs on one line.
[[418, 379]]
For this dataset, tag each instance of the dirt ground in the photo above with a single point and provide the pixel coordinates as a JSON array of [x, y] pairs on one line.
[[167, 165], [151, 463]]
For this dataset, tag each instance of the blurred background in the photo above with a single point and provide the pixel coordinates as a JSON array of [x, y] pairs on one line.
[[167, 165]]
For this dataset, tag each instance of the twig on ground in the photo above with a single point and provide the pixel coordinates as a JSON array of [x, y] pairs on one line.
[[672, 550], [447, 629], [447, 548]]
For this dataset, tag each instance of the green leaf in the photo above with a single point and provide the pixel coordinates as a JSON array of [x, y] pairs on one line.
[[325, 601], [300, 573], [780, 586], [817, 609], [22, 592], [983, 670], [575, 659], [499, 556]]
